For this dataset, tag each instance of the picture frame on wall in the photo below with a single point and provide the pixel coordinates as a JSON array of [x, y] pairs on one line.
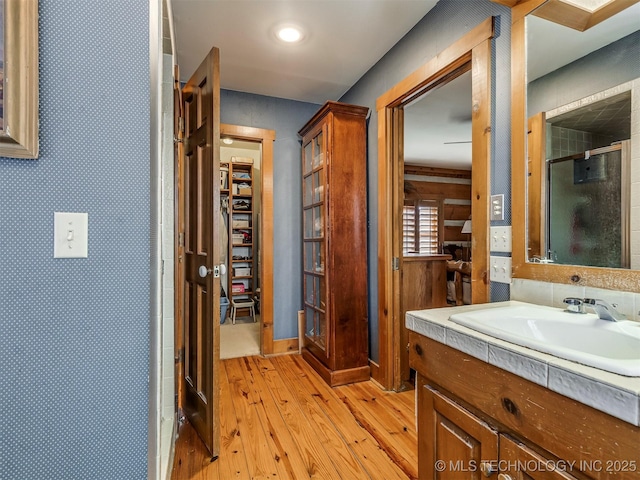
[[19, 78]]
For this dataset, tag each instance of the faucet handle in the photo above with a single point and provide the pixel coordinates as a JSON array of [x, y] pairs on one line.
[[574, 305]]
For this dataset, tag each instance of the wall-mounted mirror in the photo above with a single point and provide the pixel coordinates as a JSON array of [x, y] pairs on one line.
[[579, 90], [575, 153]]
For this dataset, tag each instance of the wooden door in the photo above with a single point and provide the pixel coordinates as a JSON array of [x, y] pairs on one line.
[[456, 443], [201, 106]]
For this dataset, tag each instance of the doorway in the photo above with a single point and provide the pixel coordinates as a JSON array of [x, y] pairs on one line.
[[240, 217], [436, 202], [471, 53], [262, 140]]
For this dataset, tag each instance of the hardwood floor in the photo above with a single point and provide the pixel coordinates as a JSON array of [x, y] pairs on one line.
[[279, 420]]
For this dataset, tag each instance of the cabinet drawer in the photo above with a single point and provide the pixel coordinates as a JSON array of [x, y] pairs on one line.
[[517, 461], [566, 428]]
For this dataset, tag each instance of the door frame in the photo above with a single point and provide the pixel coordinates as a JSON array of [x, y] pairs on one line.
[[473, 48], [265, 260]]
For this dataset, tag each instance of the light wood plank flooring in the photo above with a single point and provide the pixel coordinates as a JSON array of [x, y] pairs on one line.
[[279, 420]]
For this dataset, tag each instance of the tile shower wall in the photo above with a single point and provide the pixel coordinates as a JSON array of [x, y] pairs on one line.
[[562, 142], [75, 332]]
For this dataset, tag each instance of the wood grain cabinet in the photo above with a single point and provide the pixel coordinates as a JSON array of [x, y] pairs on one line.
[[476, 420], [454, 442], [334, 243]]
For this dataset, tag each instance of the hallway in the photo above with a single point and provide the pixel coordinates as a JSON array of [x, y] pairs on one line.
[[279, 420]]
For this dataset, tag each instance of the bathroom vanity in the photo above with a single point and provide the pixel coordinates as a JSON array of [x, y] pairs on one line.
[[509, 412]]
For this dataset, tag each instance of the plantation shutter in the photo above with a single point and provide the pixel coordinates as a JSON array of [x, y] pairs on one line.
[[420, 227]]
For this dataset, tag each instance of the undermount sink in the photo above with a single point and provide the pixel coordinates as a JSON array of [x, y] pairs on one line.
[[583, 338]]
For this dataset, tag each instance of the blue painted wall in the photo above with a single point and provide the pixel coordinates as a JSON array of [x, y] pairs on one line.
[[74, 345], [286, 117]]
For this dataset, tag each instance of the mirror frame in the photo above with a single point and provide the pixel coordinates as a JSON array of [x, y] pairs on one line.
[[598, 277], [19, 136]]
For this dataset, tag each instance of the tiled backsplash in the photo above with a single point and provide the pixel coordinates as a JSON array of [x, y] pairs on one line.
[[552, 294]]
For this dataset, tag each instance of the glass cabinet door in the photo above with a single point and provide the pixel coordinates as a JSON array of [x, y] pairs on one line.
[[314, 242]]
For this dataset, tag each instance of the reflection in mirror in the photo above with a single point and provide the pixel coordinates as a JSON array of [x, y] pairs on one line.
[[582, 128]]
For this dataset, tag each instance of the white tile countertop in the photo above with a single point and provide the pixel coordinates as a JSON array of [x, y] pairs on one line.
[[614, 394]]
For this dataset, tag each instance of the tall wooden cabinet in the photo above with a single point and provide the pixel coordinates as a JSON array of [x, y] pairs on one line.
[[334, 243]]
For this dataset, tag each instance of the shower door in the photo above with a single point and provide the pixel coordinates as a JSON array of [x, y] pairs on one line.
[[588, 214]]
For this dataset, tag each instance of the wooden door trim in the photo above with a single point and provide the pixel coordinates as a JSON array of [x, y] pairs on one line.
[[473, 48], [178, 246], [266, 138]]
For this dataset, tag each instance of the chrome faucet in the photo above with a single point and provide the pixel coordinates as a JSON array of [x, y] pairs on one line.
[[604, 310]]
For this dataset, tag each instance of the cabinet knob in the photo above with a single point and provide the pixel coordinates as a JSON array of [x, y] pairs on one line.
[[487, 469], [504, 476], [510, 406], [418, 349]]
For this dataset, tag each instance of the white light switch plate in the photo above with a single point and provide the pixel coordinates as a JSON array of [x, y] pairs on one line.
[[500, 269], [497, 207], [70, 235], [500, 239]]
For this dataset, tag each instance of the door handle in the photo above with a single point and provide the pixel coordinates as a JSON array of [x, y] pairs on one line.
[[203, 271]]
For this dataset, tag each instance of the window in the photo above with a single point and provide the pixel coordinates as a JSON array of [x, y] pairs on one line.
[[421, 227]]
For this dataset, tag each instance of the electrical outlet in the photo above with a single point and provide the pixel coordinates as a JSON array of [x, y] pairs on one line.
[[500, 269], [500, 239]]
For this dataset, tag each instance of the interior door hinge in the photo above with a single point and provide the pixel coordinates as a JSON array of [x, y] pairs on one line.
[[395, 263], [179, 357], [181, 239], [180, 137]]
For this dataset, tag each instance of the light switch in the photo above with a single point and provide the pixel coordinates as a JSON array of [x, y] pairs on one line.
[[497, 207], [500, 239], [70, 235], [500, 269]]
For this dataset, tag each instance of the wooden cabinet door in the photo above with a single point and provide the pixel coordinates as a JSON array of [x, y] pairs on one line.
[[518, 462], [314, 246], [453, 443]]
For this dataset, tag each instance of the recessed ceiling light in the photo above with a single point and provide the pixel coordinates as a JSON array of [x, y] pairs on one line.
[[289, 33], [227, 141]]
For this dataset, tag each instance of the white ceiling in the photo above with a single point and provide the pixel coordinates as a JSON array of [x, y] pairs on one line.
[[442, 139], [344, 39]]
